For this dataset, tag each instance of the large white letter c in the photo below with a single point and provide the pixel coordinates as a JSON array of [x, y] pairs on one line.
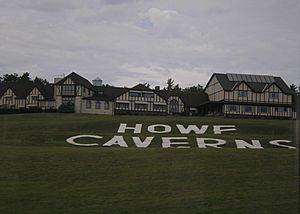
[[71, 140]]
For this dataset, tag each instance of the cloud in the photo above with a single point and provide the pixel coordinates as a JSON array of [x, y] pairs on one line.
[[127, 42]]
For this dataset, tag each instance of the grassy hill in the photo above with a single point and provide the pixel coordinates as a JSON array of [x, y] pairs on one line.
[[41, 173]]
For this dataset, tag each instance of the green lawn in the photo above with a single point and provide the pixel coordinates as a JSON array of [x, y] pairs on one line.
[[41, 173]]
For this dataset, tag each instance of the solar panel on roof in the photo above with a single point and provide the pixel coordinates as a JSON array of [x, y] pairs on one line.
[[248, 78], [251, 78], [239, 77]]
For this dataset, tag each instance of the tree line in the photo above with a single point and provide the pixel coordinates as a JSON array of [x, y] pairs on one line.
[[170, 83], [23, 78]]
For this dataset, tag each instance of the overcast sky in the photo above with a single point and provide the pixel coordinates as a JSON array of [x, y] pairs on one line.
[[125, 42]]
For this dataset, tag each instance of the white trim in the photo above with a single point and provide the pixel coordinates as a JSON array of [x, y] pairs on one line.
[[141, 102], [156, 103], [122, 101]]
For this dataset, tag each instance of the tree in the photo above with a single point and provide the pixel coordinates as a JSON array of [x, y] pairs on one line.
[[10, 78], [294, 88], [40, 81], [195, 88], [170, 84], [24, 78]]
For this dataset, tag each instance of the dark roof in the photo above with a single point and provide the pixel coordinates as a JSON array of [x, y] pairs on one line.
[[47, 91], [107, 92], [22, 90], [140, 87], [258, 86], [76, 78], [190, 99]]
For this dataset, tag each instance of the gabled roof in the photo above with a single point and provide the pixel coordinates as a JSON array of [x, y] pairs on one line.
[[76, 78], [257, 83], [107, 92], [140, 87], [190, 99], [22, 90]]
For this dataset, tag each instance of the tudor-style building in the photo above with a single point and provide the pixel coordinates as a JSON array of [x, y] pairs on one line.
[[95, 99], [26, 95], [249, 95], [224, 94]]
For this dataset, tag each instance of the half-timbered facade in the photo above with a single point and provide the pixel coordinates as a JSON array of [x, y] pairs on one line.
[[249, 95], [26, 95], [140, 99], [225, 94]]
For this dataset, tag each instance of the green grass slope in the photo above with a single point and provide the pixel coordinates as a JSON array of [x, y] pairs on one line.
[[41, 173]]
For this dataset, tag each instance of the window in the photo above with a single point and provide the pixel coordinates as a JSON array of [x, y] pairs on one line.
[[134, 94], [147, 94], [263, 109], [248, 109], [157, 107], [232, 108], [88, 104], [68, 90], [68, 100], [83, 90], [242, 93], [273, 95], [123, 106], [8, 99], [106, 105], [140, 107], [97, 105], [141, 94], [34, 98], [173, 106], [281, 109]]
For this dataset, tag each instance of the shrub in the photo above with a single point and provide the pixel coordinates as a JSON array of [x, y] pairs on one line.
[[66, 108]]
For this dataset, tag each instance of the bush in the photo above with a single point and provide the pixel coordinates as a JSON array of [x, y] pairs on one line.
[[66, 108]]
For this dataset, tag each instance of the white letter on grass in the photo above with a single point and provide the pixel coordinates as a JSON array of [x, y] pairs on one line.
[[123, 126], [190, 128], [167, 128], [116, 140], [142, 144], [276, 143], [202, 144], [167, 142], [241, 144], [71, 140], [219, 130]]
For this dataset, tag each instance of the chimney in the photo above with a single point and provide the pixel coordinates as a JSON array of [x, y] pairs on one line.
[[157, 88], [58, 78]]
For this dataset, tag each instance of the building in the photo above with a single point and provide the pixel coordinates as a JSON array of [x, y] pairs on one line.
[[26, 95], [249, 95], [95, 99], [237, 95]]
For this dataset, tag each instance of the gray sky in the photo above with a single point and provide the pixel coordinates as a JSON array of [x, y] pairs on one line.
[[125, 42]]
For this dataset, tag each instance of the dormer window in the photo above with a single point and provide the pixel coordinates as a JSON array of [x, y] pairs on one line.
[[273, 95], [8, 99], [141, 94], [68, 90], [34, 98], [243, 93]]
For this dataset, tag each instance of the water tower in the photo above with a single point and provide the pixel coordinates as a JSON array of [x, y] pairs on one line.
[[97, 82]]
